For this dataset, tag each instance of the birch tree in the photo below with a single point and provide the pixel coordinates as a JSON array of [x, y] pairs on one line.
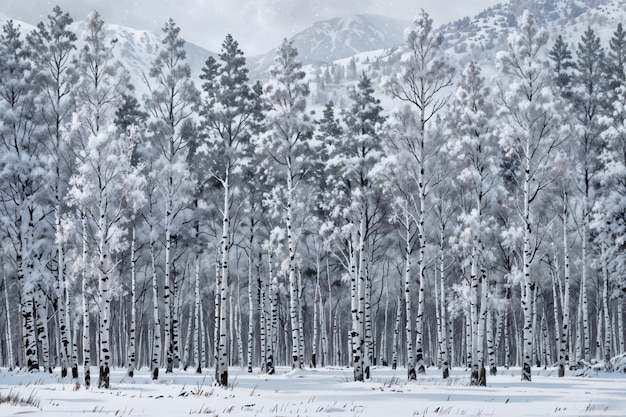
[[531, 132], [105, 189], [170, 103], [22, 184], [421, 81], [53, 44], [288, 146], [228, 115], [476, 149]]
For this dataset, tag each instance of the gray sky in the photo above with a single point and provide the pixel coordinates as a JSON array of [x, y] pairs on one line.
[[258, 25]]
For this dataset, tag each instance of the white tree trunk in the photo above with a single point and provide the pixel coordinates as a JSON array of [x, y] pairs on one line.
[[62, 295], [104, 359], [221, 371], [251, 323], [565, 332], [132, 357], [586, 351], [197, 338], [473, 349], [369, 340], [156, 337], [294, 301], [86, 335], [355, 339], [396, 333], [491, 343], [607, 320], [443, 336], [528, 284], [41, 308], [11, 355], [620, 324], [480, 350], [316, 318], [410, 361]]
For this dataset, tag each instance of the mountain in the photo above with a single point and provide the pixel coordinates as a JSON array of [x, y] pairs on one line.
[[329, 40], [338, 38], [371, 41], [135, 49]]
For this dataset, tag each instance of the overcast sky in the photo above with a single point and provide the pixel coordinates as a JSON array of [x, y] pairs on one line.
[[258, 25]]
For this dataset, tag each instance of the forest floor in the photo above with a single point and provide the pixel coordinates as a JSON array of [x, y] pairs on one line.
[[316, 393]]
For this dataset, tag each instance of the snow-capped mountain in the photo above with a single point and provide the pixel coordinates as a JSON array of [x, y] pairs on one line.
[[481, 36], [368, 39], [338, 38], [329, 40], [135, 49]]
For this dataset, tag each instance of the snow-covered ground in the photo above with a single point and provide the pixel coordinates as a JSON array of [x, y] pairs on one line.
[[319, 392]]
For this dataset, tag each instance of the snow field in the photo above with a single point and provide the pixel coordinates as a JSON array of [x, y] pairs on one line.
[[318, 392]]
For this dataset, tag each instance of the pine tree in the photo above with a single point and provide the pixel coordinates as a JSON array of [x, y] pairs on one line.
[[589, 97], [609, 211], [352, 201], [228, 112], [563, 63], [616, 61]]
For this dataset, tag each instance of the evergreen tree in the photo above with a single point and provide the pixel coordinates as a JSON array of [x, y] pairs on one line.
[[228, 115], [616, 61], [352, 203], [589, 88], [563, 63]]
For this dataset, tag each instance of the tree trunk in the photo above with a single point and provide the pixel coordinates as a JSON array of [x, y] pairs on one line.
[[132, 358], [396, 334], [156, 338], [491, 344], [620, 323], [411, 373], [528, 285], [251, 323], [11, 355], [197, 338], [355, 339], [41, 320], [607, 320], [482, 379], [474, 319], [586, 352], [443, 335], [61, 294], [86, 335], [294, 301]]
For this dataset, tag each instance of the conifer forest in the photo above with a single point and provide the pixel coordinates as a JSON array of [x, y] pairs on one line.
[[436, 216]]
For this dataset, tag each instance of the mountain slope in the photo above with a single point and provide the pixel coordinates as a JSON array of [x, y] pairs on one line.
[[135, 49], [334, 39], [343, 37]]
